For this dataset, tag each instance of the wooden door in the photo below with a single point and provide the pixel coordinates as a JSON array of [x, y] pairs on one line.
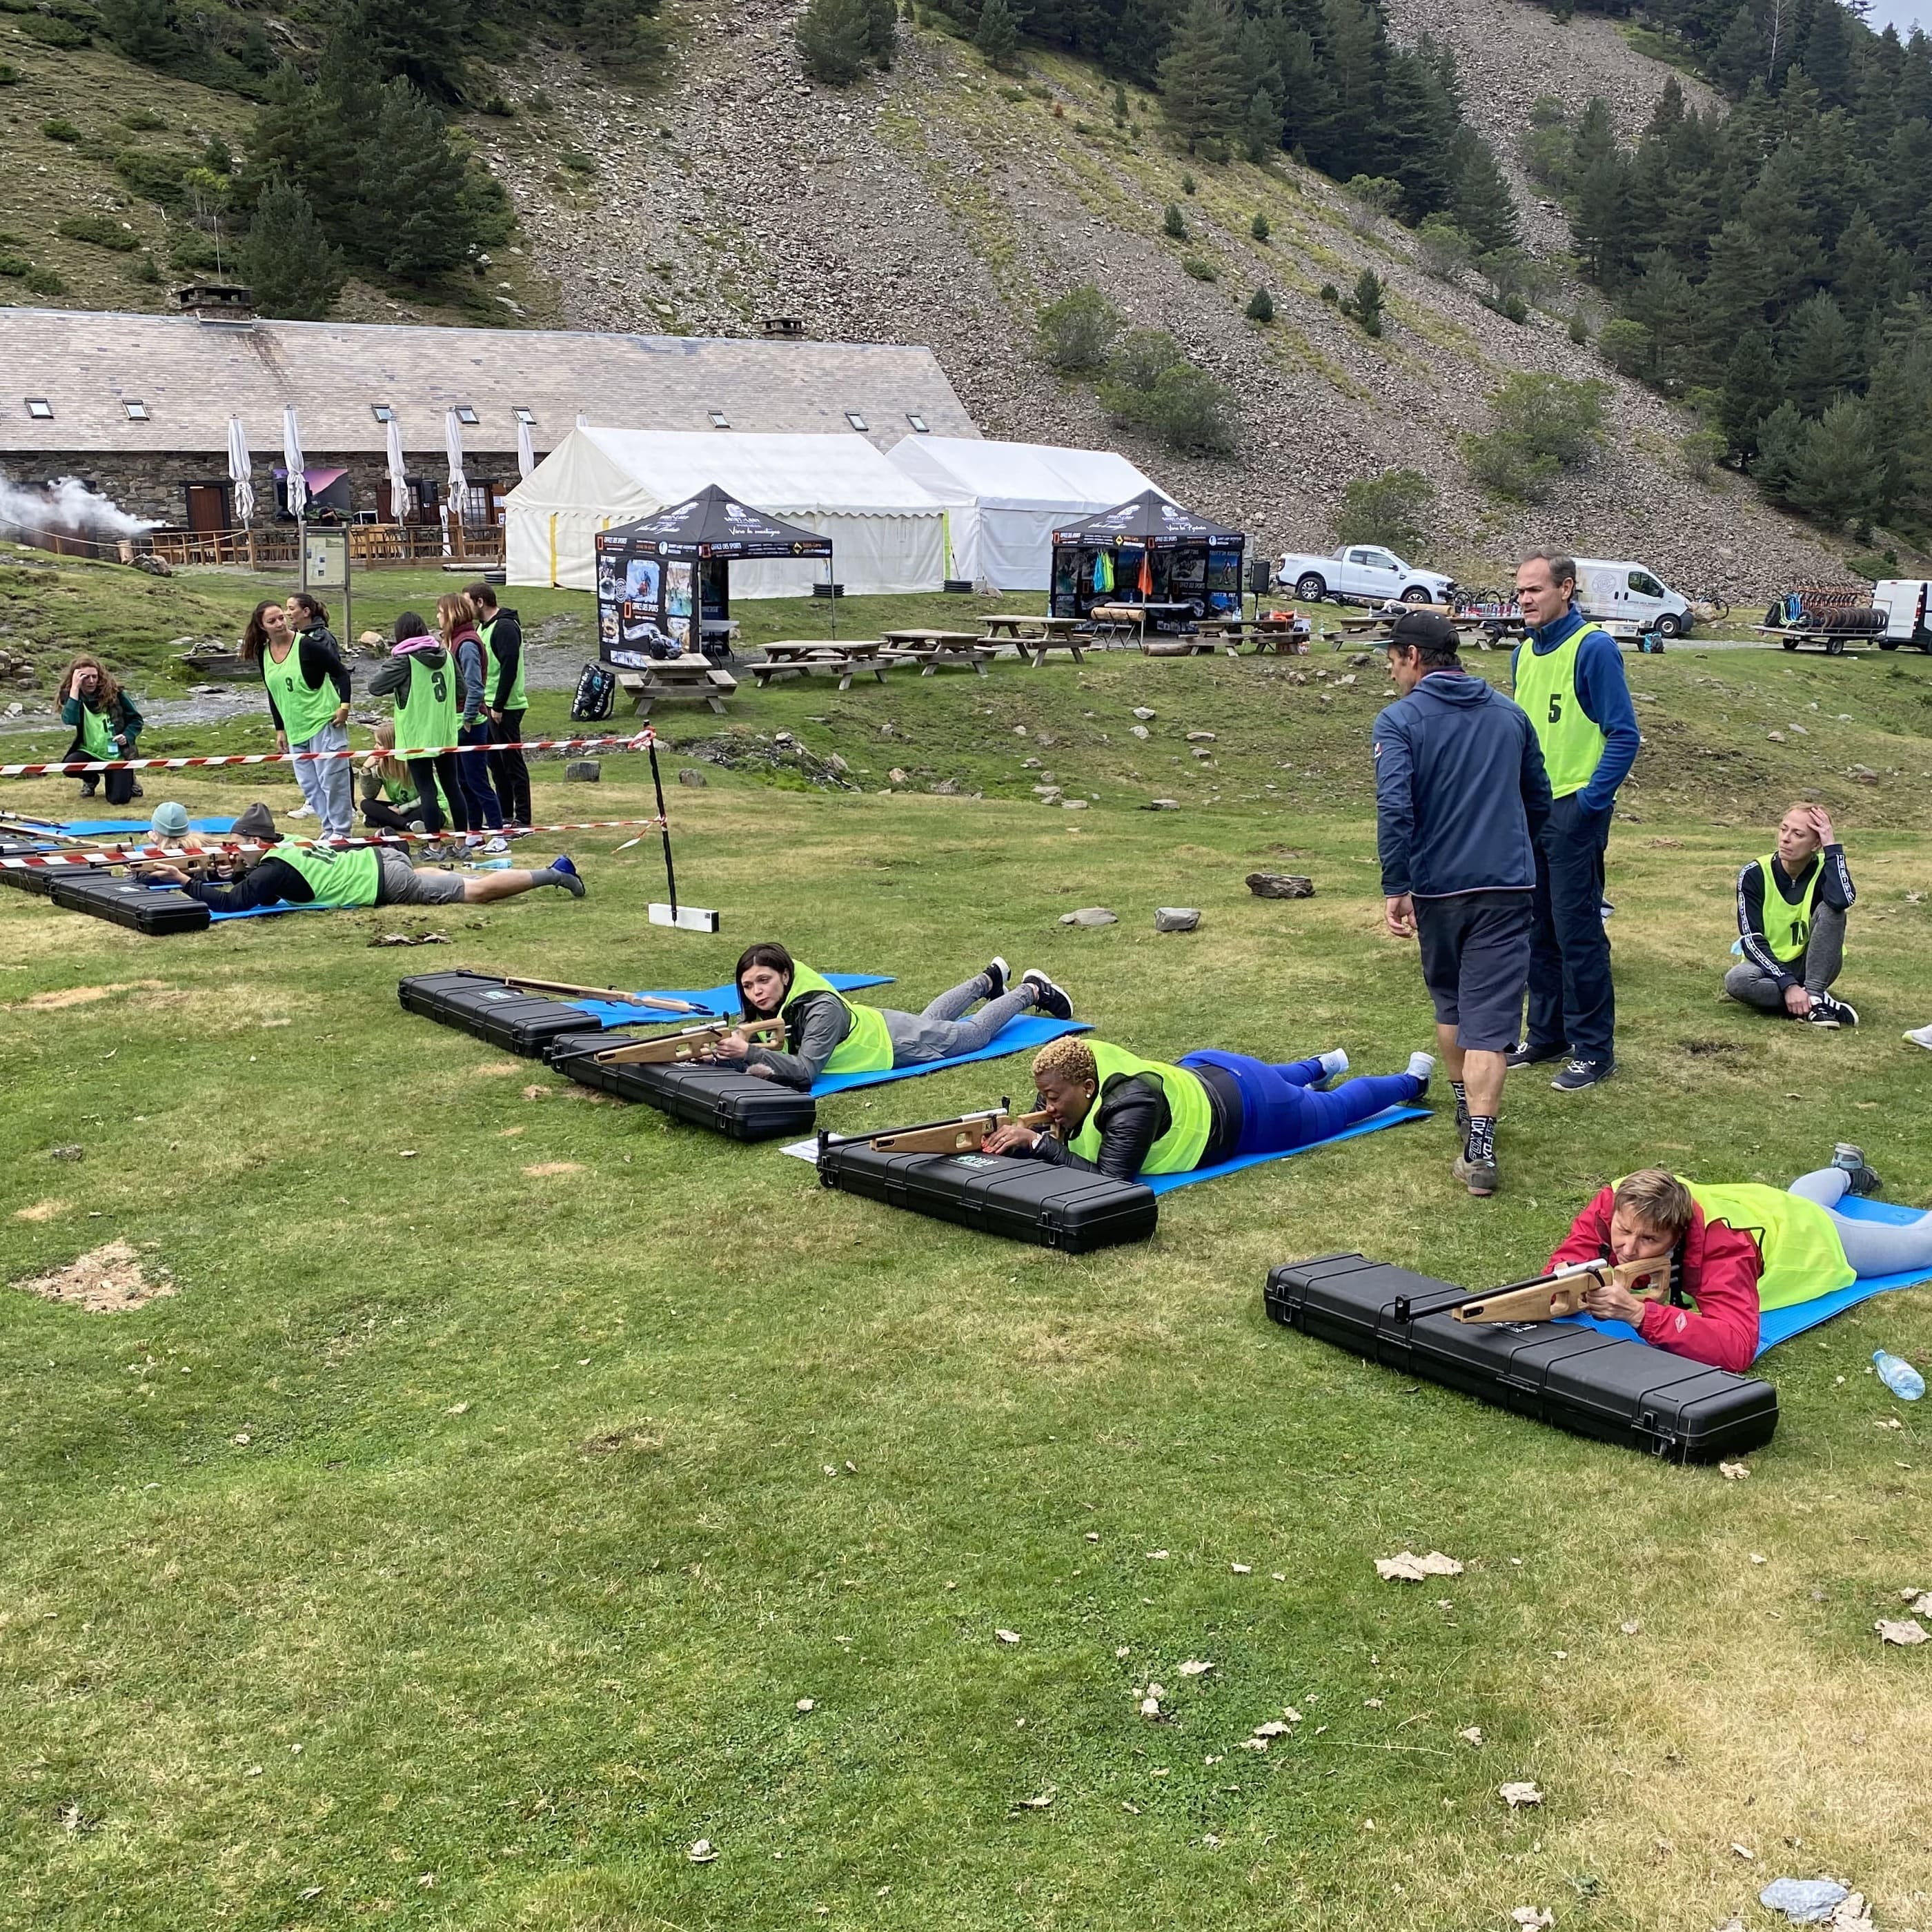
[[207, 507]]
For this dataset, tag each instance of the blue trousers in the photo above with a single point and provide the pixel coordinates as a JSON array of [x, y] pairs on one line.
[[1281, 1110], [1572, 1001], [479, 796]]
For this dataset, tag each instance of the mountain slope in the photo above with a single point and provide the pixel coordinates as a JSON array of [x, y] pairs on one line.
[[926, 206]]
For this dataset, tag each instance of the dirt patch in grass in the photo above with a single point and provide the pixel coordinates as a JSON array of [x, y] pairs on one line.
[[544, 1168], [108, 1280], [1711, 1048], [85, 996], [635, 1442], [495, 1066], [42, 1210]]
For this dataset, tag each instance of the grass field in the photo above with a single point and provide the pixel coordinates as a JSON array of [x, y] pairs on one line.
[[454, 1545]]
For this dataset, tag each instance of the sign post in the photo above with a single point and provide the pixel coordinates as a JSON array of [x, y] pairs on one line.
[[324, 566]]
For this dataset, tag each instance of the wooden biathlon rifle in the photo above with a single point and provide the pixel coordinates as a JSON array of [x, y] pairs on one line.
[[966, 1133], [1546, 1296], [688, 1043], [606, 993]]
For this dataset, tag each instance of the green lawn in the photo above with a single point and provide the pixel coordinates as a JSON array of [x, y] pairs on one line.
[[454, 1546]]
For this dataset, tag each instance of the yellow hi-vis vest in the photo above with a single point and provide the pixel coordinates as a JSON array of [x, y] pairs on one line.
[[1787, 927], [1546, 688], [1191, 1115], [867, 1047], [1800, 1250]]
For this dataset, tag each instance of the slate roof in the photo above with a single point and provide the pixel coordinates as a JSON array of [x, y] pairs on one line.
[[191, 375]]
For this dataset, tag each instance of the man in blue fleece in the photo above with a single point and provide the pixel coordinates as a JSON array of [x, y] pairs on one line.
[[1569, 678], [1460, 797]]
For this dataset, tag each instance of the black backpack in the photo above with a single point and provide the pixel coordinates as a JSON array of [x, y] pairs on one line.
[[596, 694]]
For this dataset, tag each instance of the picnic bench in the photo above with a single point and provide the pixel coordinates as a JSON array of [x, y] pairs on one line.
[[802, 656], [1043, 634], [693, 675], [934, 650]]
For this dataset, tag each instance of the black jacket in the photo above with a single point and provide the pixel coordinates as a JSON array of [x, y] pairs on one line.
[[506, 645], [1834, 889], [1132, 1113]]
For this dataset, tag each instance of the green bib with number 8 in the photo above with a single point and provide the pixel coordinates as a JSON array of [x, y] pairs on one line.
[[426, 707]]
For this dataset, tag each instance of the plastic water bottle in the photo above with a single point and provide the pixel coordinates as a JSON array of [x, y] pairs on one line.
[[1898, 1375]]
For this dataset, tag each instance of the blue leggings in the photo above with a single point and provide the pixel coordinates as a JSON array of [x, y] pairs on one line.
[[1281, 1110]]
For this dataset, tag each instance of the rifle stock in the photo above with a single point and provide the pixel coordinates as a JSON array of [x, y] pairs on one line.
[[673, 1049], [1546, 1297], [967, 1135]]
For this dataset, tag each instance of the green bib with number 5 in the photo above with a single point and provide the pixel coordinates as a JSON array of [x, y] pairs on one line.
[[1546, 688]]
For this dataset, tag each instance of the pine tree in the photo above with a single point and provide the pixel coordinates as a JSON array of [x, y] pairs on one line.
[[1753, 386], [1600, 221], [1835, 474], [1738, 58], [287, 259], [422, 41], [1775, 210], [1866, 275], [1662, 300], [1202, 98], [834, 40], [147, 30], [1820, 355], [1780, 437], [417, 198], [1485, 209], [1339, 129], [1732, 296], [997, 35], [1363, 304], [1827, 56], [1418, 131]]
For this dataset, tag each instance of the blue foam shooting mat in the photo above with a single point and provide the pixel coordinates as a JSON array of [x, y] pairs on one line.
[[1389, 1117], [1780, 1324], [1027, 1034], [119, 828], [716, 1002]]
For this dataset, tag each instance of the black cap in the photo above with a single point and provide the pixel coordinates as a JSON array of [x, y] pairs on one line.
[[1427, 630]]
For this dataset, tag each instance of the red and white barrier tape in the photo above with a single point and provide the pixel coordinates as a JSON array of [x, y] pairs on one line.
[[641, 741], [83, 858]]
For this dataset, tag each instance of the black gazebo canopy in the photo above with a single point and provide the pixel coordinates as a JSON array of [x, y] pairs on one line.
[[715, 524], [1148, 520], [664, 582]]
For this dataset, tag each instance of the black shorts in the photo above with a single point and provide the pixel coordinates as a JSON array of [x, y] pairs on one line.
[[1475, 963]]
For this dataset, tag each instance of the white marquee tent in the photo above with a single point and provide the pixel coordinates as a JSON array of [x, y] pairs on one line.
[[1006, 499], [888, 533]]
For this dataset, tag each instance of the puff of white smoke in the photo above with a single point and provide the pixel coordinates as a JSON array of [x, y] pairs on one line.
[[65, 508]]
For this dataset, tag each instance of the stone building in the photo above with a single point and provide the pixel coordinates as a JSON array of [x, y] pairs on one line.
[[137, 406]]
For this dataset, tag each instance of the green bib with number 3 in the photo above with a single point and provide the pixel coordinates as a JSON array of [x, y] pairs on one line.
[[1546, 688]]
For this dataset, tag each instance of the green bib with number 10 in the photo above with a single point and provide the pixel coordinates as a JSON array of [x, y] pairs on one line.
[[426, 708], [1787, 927], [1546, 688]]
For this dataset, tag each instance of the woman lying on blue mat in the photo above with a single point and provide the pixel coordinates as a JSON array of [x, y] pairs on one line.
[[1115, 1114], [828, 1033], [1739, 1249]]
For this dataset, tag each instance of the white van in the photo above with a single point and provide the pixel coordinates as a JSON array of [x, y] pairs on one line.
[[1623, 591], [1907, 605]]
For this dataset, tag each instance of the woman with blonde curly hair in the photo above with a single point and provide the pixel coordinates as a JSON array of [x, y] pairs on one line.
[[1109, 1111]]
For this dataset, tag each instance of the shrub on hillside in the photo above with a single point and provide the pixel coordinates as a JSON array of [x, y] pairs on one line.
[[1152, 386], [1258, 228], [101, 231], [1444, 249], [838, 39], [1174, 223], [1544, 426], [1202, 271], [61, 130], [1625, 345], [1076, 332], [44, 282], [1261, 306], [1389, 509], [1364, 304]]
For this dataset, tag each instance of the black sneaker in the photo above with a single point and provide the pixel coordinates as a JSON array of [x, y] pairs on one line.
[[1047, 997], [1529, 1054], [1830, 1013], [1581, 1073], [1852, 1160], [996, 975], [1479, 1176]]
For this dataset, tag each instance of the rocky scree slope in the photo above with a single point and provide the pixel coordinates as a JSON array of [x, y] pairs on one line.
[[926, 206]]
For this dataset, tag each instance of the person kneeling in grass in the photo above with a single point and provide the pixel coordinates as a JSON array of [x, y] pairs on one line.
[[367, 875], [827, 1032], [1112, 1112], [1737, 1248], [1791, 905]]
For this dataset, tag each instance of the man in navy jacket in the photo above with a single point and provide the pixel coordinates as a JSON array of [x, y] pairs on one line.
[[1569, 677], [1460, 799]]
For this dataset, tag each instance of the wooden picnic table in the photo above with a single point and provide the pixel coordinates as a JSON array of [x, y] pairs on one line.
[[693, 675], [934, 650], [803, 656], [1047, 633]]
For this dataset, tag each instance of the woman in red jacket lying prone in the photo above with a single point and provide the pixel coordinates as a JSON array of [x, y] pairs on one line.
[[1737, 1250]]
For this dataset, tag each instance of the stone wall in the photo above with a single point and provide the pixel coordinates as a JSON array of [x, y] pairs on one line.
[[154, 486]]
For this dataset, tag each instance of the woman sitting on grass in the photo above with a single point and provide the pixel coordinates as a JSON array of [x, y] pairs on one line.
[[389, 801], [1110, 1112], [828, 1033], [105, 726]]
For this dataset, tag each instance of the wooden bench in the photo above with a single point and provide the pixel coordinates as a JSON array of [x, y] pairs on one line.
[[690, 676], [938, 650]]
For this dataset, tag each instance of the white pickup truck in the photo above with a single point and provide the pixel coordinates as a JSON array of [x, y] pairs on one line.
[[1361, 574]]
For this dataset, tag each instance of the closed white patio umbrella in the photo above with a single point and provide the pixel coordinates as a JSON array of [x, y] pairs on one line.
[[527, 454], [291, 456], [398, 481], [238, 472]]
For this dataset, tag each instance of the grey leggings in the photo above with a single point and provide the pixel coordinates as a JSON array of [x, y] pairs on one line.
[[941, 1032], [1816, 969], [1872, 1247]]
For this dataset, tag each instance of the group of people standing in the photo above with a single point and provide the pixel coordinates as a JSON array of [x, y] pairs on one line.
[[461, 684], [1493, 816]]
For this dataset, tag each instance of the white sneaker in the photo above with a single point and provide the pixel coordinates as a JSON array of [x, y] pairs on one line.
[[498, 843], [1920, 1036], [303, 812], [1334, 1064], [1422, 1066]]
